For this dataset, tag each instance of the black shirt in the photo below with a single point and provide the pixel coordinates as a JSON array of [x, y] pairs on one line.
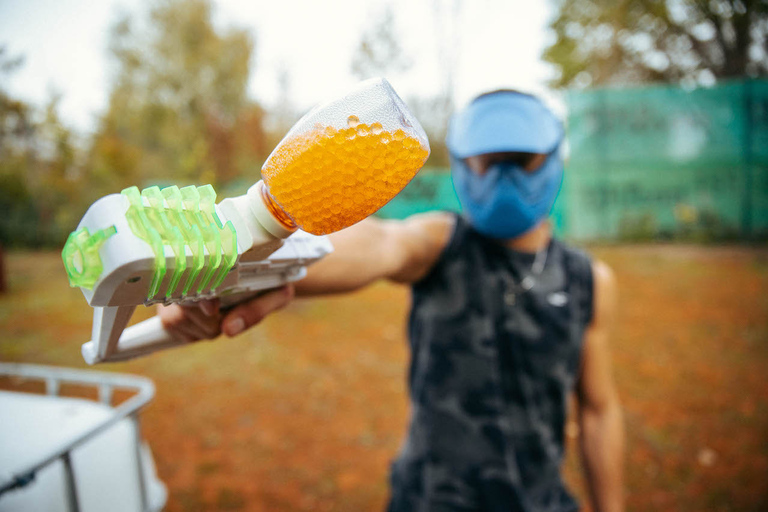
[[495, 347]]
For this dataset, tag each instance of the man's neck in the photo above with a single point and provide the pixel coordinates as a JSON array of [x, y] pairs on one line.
[[532, 240]]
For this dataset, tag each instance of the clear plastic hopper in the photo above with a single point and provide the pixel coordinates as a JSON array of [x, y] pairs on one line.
[[345, 159]]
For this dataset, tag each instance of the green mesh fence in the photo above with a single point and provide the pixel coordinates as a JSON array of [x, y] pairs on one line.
[[663, 161], [648, 163], [431, 189]]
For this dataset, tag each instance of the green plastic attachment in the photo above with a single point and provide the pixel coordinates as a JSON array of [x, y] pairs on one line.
[[81, 256], [204, 249], [190, 232], [142, 227], [169, 233]]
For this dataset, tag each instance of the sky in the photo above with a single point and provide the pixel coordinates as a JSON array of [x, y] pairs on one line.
[[494, 43]]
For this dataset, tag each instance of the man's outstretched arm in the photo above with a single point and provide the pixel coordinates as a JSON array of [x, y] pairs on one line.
[[600, 417], [401, 251]]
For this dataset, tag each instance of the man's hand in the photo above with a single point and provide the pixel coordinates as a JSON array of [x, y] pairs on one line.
[[205, 320]]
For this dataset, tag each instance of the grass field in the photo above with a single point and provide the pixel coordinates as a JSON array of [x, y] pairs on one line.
[[306, 412]]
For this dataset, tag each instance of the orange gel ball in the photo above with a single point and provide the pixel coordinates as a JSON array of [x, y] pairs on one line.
[[328, 179]]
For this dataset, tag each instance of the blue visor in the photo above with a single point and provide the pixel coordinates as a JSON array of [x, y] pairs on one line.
[[504, 121]]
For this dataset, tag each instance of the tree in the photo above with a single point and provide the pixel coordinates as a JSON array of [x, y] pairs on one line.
[[16, 126], [17, 132], [178, 100], [436, 112], [40, 193], [379, 52], [56, 184], [601, 42]]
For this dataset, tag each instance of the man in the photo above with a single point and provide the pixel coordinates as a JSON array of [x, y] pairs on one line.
[[506, 321]]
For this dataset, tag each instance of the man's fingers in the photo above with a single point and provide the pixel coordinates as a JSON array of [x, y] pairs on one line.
[[191, 323], [205, 316], [209, 325], [186, 333], [203, 319], [176, 323], [252, 312], [209, 306]]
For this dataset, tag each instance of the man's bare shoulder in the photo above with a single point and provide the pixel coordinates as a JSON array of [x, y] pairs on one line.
[[603, 273], [437, 223], [606, 294], [604, 279], [423, 237], [433, 229]]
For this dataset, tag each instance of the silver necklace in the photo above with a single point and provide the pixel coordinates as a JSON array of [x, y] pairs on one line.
[[529, 280]]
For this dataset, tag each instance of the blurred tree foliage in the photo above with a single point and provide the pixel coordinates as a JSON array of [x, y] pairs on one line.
[[178, 110], [38, 170], [178, 113], [691, 42], [434, 113], [379, 53]]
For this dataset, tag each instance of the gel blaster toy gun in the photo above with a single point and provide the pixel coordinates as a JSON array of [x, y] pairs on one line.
[[339, 164]]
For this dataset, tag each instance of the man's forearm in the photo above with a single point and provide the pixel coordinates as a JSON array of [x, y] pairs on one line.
[[401, 251], [602, 445], [363, 253]]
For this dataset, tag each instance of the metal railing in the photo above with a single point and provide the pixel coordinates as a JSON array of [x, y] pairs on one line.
[[106, 384]]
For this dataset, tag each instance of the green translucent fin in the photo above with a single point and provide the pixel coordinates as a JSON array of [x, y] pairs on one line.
[[143, 228], [229, 249], [190, 232], [183, 218], [226, 234], [170, 233], [195, 202], [213, 244], [81, 256]]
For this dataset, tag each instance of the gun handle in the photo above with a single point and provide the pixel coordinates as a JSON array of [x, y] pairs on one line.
[[112, 341], [108, 324]]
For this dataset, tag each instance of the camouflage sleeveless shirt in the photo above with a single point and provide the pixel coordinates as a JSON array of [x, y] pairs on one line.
[[492, 366]]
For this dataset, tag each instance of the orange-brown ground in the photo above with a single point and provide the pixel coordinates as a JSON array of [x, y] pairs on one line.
[[306, 412]]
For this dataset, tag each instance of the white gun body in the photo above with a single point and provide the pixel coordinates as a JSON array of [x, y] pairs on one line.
[[264, 260]]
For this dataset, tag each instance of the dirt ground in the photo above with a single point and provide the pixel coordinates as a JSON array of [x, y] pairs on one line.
[[306, 412]]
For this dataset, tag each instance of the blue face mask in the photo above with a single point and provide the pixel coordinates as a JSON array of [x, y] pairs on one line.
[[507, 201]]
